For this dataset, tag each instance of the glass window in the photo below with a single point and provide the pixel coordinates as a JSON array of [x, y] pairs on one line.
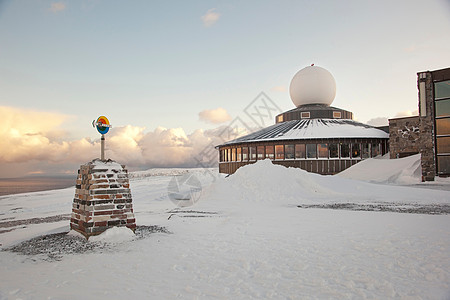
[[356, 151], [260, 150], [305, 115], [333, 150], [252, 153], [443, 145], [311, 151], [300, 151], [229, 155], [322, 150], [365, 151], [233, 154], [443, 164], [442, 108], [221, 155], [289, 151], [245, 153], [279, 118], [269, 152], [375, 150], [443, 126], [442, 89], [336, 114], [345, 150], [238, 154], [279, 152]]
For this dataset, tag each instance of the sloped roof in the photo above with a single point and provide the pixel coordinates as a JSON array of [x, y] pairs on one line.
[[312, 129]]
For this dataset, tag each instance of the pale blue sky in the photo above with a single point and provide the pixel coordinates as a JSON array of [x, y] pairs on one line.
[[155, 63]]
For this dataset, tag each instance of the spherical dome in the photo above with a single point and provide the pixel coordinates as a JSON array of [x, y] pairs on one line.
[[312, 85]]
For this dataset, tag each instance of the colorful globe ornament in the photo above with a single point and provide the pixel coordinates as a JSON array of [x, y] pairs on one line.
[[102, 125]]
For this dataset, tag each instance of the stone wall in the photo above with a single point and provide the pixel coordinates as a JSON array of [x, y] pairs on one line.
[[102, 198], [426, 127], [404, 137]]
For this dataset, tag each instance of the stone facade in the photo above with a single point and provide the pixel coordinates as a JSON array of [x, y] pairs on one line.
[[426, 127], [404, 137], [102, 198]]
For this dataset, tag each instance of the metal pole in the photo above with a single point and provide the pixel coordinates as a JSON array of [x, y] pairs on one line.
[[102, 157]]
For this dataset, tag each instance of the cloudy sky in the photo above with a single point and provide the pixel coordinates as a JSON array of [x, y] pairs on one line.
[[171, 75]]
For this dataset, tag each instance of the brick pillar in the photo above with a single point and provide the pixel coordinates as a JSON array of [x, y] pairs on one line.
[[102, 198], [426, 126]]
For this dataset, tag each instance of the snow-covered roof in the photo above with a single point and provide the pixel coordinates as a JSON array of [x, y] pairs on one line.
[[312, 129]]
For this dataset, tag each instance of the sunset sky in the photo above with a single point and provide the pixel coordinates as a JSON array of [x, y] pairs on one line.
[[170, 75]]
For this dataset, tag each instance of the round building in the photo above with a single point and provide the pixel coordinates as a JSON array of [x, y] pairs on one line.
[[314, 136]]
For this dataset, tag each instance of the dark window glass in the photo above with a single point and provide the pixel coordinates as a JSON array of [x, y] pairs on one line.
[[345, 150], [442, 89], [269, 152], [333, 150], [233, 154], [289, 151], [443, 164], [375, 150], [245, 153], [365, 150], [279, 152], [322, 150], [238, 154], [260, 150], [443, 145], [443, 126], [311, 151], [300, 151], [252, 153], [356, 151], [442, 108]]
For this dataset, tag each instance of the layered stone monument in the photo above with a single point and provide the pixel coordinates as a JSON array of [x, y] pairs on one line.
[[102, 196]]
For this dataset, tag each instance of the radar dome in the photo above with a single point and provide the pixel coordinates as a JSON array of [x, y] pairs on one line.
[[312, 85]]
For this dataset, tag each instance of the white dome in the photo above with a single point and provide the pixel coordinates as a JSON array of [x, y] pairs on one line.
[[312, 85]]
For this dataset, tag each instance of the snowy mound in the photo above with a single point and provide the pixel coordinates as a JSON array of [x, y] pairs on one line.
[[383, 170], [114, 235]]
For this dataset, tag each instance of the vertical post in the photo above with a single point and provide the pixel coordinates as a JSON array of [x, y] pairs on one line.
[[102, 157]]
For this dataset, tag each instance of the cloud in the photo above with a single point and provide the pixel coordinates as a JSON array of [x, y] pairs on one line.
[[57, 6], [214, 116], [210, 18], [279, 88], [407, 113], [381, 121]]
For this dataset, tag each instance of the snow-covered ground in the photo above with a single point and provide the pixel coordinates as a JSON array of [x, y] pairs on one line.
[[264, 232]]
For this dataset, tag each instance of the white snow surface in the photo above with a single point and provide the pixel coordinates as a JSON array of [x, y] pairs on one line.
[[245, 237]]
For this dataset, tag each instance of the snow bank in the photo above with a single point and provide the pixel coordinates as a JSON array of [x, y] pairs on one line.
[[405, 170], [114, 235]]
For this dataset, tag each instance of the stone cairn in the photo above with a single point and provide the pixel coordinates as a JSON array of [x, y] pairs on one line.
[[102, 198]]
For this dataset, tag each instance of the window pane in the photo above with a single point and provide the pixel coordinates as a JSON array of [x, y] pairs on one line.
[[228, 154], [279, 152], [375, 150], [300, 151], [260, 152], [322, 150], [252, 153], [269, 152], [442, 89], [238, 154], [443, 164], [289, 151], [356, 151], [345, 150], [245, 153], [443, 145], [365, 150], [333, 150], [442, 108], [311, 150], [443, 126], [233, 154]]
